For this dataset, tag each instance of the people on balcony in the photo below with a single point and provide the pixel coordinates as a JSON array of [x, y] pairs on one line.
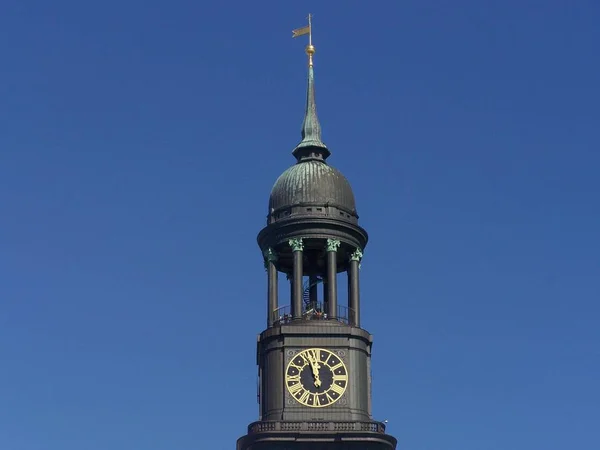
[[315, 313]]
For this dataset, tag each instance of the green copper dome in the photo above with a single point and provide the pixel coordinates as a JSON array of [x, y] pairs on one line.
[[309, 186]]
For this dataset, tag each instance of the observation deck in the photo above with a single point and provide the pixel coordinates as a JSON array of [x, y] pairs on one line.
[[313, 311]]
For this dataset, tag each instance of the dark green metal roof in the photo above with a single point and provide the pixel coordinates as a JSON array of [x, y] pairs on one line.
[[312, 183]]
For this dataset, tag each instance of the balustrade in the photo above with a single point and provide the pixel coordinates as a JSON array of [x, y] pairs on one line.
[[313, 311], [327, 427]]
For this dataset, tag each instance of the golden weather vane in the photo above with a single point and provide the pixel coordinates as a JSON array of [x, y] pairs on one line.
[[310, 49]]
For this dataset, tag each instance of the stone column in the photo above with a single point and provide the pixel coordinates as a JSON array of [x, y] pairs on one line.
[[325, 294], [296, 303], [290, 278], [332, 246], [272, 289], [354, 288]]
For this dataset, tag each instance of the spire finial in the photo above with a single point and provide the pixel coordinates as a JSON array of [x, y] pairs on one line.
[[311, 144], [310, 49]]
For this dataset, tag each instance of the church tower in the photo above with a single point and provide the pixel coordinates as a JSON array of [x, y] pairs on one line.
[[314, 359]]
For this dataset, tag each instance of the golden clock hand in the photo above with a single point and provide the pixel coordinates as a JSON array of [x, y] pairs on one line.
[[315, 370], [308, 360], [315, 366]]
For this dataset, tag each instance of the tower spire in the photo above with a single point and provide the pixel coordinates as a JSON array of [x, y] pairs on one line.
[[311, 142]]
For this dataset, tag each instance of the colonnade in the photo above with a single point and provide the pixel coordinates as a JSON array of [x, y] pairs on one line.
[[330, 295]]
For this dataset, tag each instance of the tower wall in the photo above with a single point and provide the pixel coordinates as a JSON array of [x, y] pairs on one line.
[[279, 345]]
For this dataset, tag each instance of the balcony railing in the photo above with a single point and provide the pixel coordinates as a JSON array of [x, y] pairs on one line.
[[313, 311], [325, 427]]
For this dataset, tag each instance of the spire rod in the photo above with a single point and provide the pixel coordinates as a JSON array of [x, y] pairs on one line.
[[311, 129], [310, 50]]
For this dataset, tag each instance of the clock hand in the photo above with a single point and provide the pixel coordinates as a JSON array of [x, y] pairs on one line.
[[315, 370], [317, 381]]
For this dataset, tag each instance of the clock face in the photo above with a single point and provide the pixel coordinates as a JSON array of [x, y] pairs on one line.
[[316, 377]]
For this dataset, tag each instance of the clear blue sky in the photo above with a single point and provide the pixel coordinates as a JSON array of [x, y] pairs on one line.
[[139, 141]]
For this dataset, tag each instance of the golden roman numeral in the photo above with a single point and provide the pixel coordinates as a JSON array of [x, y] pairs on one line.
[[304, 397], [295, 388], [329, 397], [296, 378], [343, 377], [316, 400], [316, 354], [337, 389]]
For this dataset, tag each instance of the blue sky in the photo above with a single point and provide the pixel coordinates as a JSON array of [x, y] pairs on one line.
[[138, 145]]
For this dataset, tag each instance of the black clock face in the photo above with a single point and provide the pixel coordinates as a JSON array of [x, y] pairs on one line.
[[316, 377]]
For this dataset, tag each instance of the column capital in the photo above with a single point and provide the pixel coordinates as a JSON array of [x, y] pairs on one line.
[[357, 255], [296, 244], [333, 245], [269, 255]]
